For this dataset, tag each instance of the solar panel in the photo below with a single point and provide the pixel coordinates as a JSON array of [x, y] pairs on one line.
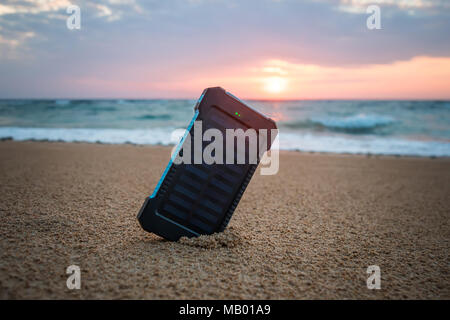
[[194, 197]]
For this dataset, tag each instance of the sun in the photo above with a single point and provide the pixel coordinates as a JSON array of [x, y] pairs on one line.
[[275, 84]]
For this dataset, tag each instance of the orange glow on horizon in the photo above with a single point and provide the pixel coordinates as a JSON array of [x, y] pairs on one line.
[[418, 78]]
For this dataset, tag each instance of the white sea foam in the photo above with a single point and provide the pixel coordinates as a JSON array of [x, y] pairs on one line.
[[359, 121], [288, 140], [137, 136], [362, 144]]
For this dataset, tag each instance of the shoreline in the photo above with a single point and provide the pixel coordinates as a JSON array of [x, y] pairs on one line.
[[375, 155]]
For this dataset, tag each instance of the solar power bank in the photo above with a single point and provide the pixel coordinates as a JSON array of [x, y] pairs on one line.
[[195, 197]]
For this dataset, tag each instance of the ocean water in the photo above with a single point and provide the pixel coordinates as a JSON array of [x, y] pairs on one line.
[[416, 128]]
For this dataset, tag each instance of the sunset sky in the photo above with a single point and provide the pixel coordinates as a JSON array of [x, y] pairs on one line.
[[261, 49]]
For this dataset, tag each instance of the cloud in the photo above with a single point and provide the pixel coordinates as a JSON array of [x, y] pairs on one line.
[[20, 21], [112, 11], [412, 6], [104, 11], [302, 31], [155, 41], [32, 7], [12, 41]]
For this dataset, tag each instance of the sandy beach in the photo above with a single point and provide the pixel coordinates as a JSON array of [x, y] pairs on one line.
[[309, 232]]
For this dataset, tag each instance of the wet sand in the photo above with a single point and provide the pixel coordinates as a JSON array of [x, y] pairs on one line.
[[309, 232]]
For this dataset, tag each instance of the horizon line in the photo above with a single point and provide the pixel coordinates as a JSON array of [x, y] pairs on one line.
[[248, 99]]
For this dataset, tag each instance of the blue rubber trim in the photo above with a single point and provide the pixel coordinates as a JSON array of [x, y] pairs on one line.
[[199, 100], [177, 150], [176, 223]]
